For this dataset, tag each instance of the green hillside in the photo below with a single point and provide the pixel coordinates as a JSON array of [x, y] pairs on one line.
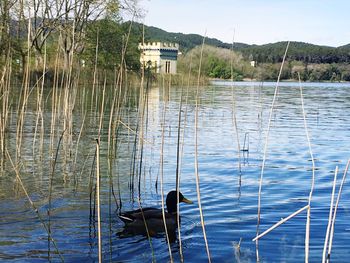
[[298, 51], [268, 53], [312, 62], [186, 41]]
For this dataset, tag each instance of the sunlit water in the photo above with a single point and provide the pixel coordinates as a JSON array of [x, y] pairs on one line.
[[229, 196]]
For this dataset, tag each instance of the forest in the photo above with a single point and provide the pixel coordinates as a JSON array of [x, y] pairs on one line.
[[312, 62], [97, 34]]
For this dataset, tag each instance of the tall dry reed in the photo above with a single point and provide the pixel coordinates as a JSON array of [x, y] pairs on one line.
[[265, 152], [196, 156], [308, 216]]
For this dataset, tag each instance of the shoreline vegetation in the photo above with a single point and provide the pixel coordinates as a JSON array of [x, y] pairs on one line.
[[246, 80], [105, 40], [216, 64]]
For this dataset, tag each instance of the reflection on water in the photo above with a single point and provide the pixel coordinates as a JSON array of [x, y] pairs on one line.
[[229, 197]]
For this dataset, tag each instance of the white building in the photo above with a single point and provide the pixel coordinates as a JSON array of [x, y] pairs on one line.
[[162, 57], [253, 63]]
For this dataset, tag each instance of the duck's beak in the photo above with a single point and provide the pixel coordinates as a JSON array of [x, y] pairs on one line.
[[187, 201]]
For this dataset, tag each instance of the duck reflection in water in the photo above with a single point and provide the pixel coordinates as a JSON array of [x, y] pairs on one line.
[[136, 220]]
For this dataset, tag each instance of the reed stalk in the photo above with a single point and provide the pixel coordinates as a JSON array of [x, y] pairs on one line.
[[98, 178], [113, 124], [237, 248], [140, 140], [39, 111], [42, 104], [111, 130], [308, 218], [117, 98], [115, 107], [196, 155], [92, 190], [77, 147], [234, 109], [82, 170], [178, 144], [53, 169], [178, 174], [335, 212], [139, 132], [99, 232], [139, 143], [265, 151], [110, 210], [147, 230], [102, 110], [180, 161], [95, 72], [54, 102], [22, 105], [330, 217], [143, 106], [161, 186], [141, 137], [70, 90], [313, 169], [134, 132], [5, 83], [282, 221]]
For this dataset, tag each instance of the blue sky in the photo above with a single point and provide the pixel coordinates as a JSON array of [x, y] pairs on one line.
[[322, 22]]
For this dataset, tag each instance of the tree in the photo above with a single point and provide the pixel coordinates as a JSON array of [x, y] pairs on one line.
[[5, 24], [36, 20], [112, 37]]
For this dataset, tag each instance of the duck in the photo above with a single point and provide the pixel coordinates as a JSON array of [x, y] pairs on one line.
[[135, 220]]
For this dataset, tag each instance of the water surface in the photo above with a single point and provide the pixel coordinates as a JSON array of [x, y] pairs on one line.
[[229, 178]]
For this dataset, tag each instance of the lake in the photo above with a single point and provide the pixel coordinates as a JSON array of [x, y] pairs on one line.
[[229, 176]]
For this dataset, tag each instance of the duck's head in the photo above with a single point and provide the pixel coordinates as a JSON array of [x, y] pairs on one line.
[[171, 201]]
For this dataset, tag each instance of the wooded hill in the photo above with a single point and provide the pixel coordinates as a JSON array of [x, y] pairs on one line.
[[269, 53], [186, 41], [310, 62], [299, 51]]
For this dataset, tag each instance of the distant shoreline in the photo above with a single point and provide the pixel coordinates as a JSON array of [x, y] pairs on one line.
[[289, 83], [274, 81]]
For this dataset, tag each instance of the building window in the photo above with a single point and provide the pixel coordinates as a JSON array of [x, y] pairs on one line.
[[167, 66]]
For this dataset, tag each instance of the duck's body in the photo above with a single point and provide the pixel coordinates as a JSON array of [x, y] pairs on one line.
[[141, 214], [137, 220]]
